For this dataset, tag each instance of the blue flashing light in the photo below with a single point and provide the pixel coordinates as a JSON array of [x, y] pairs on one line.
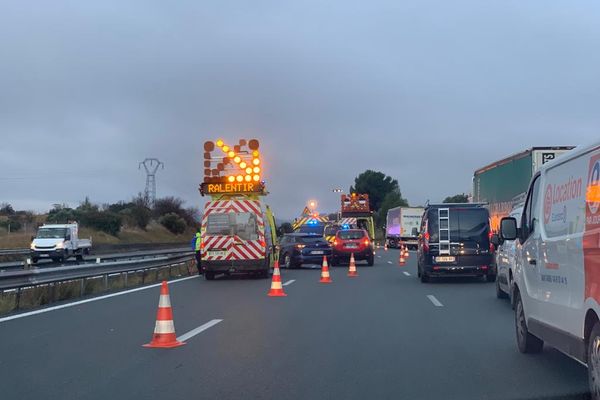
[[345, 226]]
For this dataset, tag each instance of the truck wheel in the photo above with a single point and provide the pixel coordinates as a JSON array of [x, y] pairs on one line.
[[209, 276], [79, 257], [526, 342], [499, 292], [593, 361]]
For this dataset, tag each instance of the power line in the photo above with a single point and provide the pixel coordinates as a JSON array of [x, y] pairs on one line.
[[151, 165]]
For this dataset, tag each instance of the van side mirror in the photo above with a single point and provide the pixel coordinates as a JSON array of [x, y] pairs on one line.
[[68, 237], [415, 232], [508, 228]]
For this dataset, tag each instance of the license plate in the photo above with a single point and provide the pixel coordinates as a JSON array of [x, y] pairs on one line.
[[317, 252], [217, 253], [445, 259], [352, 245]]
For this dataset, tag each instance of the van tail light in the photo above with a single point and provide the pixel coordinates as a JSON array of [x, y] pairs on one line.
[[367, 242], [426, 241], [492, 247]]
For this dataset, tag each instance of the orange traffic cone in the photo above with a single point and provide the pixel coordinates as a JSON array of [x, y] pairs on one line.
[[401, 260], [325, 278], [276, 286], [406, 253], [385, 247], [164, 331], [352, 268]]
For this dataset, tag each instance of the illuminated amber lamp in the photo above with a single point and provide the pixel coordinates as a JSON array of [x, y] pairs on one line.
[[231, 179]]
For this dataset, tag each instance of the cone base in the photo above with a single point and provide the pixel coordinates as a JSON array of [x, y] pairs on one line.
[[325, 281], [276, 293], [352, 274], [164, 345]]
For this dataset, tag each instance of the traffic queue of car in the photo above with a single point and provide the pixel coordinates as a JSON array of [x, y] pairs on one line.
[[298, 248]]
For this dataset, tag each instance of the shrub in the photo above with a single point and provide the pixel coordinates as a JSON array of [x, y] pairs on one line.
[[104, 221], [173, 222]]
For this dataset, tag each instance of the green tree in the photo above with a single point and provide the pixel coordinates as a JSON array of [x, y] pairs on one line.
[[391, 200], [173, 222], [377, 185], [458, 198]]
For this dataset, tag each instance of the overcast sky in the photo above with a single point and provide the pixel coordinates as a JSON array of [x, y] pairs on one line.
[[425, 91]]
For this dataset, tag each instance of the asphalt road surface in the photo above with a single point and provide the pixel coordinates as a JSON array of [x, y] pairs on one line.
[[383, 335]]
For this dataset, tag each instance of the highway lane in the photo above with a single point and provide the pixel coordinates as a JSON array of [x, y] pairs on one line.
[[375, 336]]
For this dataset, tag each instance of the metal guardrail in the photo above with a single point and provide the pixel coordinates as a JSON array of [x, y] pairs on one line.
[[40, 276], [10, 252], [91, 259]]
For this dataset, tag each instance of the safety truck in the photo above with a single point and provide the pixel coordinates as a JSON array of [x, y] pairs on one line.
[[59, 242], [402, 226], [500, 182], [356, 213], [237, 229]]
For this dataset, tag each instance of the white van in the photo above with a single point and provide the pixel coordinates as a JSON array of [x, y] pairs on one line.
[[557, 261], [505, 260]]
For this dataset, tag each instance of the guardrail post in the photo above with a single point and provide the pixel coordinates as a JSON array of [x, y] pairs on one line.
[[106, 282]]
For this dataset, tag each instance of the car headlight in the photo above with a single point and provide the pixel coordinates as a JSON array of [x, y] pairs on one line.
[[60, 245], [32, 246]]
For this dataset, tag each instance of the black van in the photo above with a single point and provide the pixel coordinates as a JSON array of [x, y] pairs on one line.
[[454, 240]]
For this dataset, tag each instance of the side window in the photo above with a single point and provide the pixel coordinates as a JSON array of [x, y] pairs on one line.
[[531, 209]]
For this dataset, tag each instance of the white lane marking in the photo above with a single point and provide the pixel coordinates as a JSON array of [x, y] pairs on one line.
[[200, 329], [107, 296], [389, 262], [435, 301], [289, 282], [406, 273], [378, 256]]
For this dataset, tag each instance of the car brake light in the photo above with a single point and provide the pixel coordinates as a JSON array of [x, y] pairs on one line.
[[335, 243], [484, 267], [367, 242], [435, 267]]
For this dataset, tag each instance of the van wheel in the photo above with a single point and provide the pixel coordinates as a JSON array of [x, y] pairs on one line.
[[499, 292], [370, 261], [593, 361], [209, 276], [526, 342], [424, 277]]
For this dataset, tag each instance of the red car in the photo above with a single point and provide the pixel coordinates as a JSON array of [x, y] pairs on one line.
[[348, 241]]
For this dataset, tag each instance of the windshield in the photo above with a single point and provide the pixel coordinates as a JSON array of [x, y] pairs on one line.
[[52, 233], [351, 235], [242, 225], [309, 239], [466, 225], [317, 229]]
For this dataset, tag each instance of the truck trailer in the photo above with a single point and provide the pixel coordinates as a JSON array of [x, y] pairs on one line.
[[402, 226], [499, 183]]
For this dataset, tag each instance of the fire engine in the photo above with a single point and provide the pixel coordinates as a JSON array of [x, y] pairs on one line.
[[356, 213], [237, 228]]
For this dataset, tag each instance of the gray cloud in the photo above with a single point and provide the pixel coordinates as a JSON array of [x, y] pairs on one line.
[[426, 91]]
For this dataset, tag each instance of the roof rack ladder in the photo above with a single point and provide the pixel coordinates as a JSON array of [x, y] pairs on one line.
[[444, 230]]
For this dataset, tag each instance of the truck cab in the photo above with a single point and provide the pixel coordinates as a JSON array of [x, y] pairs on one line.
[[59, 242]]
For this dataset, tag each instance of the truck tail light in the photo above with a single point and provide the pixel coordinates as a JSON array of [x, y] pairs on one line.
[[202, 245], [263, 243]]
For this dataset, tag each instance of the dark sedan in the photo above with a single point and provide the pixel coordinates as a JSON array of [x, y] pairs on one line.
[[302, 248]]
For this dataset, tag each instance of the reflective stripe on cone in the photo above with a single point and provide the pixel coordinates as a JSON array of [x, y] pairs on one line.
[[164, 330]]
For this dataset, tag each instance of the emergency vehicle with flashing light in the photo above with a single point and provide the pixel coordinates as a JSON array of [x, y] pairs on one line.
[[356, 213], [237, 229], [556, 286]]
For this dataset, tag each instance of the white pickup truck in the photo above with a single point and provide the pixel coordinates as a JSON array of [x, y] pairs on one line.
[[59, 242]]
